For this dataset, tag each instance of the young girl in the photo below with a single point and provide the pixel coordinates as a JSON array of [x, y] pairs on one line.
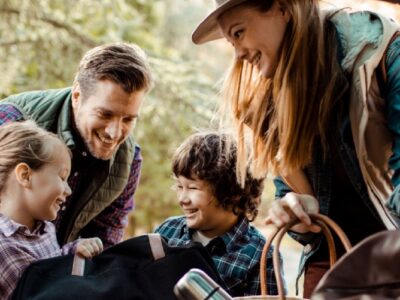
[[34, 167], [319, 93]]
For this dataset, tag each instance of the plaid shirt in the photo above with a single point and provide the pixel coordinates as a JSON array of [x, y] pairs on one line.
[[19, 247], [236, 254], [110, 223]]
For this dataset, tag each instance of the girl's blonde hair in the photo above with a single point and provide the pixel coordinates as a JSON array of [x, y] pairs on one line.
[[282, 117], [25, 142]]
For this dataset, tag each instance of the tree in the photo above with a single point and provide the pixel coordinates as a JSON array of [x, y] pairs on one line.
[[42, 41]]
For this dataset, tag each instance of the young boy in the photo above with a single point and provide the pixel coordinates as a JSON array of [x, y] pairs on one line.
[[217, 212]]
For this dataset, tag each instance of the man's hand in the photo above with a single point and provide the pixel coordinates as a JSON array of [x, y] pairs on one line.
[[88, 248]]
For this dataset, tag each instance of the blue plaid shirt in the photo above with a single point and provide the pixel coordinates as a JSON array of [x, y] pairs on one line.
[[236, 254]]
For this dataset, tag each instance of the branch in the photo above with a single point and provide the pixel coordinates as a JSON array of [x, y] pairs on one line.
[[72, 31], [16, 42]]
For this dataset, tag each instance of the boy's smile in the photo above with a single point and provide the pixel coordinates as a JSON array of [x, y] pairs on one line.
[[201, 208]]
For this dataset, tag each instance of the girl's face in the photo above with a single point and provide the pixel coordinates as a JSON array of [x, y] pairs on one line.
[[48, 187], [255, 35], [201, 209]]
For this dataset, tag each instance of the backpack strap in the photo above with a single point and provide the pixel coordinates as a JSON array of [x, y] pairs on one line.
[[78, 265], [156, 246]]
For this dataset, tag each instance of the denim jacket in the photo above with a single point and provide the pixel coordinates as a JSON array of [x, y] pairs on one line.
[[320, 172]]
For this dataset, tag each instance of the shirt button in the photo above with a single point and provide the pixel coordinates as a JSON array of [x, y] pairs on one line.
[[84, 153]]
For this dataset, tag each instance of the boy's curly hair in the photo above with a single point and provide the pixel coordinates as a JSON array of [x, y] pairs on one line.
[[211, 157]]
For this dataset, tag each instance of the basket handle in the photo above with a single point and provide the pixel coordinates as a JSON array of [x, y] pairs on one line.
[[326, 225]]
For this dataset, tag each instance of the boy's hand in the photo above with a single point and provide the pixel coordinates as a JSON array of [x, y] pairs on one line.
[[88, 248]]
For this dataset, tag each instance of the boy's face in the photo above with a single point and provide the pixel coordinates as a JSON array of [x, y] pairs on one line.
[[49, 188], [201, 209]]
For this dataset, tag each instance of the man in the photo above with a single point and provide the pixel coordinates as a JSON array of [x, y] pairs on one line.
[[95, 119]]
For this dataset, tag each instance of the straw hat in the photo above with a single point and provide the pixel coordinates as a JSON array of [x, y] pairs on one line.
[[208, 28]]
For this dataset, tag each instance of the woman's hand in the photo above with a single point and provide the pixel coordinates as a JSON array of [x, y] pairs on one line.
[[293, 206], [88, 248]]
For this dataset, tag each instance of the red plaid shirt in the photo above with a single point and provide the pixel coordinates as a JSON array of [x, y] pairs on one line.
[[110, 223], [19, 247]]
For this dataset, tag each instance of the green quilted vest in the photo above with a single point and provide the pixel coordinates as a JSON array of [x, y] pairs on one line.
[[51, 110]]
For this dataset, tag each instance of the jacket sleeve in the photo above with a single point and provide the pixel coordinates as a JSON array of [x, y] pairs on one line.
[[69, 248], [9, 113], [392, 94], [281, 188]]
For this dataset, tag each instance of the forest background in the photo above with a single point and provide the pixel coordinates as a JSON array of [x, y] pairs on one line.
[[42, 41]]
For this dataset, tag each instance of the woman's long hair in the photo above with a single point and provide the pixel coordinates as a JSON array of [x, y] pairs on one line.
[[283, 116]]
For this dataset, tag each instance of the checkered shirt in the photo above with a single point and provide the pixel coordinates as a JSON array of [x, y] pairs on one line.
[[19, 247], [236, 254]]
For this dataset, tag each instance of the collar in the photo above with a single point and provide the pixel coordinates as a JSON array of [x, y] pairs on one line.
[[67, 130], [356, 31], [229, 239], [9, 227], [65, 122]]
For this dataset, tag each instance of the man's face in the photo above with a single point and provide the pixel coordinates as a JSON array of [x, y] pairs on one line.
[[106, 118]]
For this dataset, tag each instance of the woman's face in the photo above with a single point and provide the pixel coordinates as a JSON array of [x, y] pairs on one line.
[[256, 35]]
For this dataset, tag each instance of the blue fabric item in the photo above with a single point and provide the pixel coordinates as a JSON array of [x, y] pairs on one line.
[[320, 171], [236, 254]]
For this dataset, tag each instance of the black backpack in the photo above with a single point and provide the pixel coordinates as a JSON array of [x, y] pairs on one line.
[[129, 270]]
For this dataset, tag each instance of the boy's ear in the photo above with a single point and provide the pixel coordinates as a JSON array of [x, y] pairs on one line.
[[23, 173]]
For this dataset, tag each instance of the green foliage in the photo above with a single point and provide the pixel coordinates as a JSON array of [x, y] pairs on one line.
[[42, 41], [178, 102]]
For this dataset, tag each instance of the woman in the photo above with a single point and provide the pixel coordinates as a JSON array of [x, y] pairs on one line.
[[318, 94]]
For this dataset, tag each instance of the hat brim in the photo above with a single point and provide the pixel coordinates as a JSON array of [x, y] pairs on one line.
[[208, 29]]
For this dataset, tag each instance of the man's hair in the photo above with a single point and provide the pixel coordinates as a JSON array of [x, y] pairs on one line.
[[25, 142], [211, 157], [124, 64]]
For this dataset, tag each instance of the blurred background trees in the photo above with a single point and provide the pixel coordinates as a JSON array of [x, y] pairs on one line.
[[42, 41]]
